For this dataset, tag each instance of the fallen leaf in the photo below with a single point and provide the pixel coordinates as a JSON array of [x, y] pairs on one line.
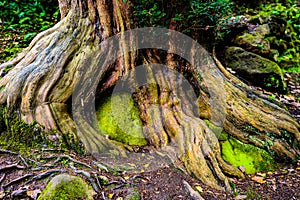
[[258, 179], [240, 197], [34, 193], [261, 174], [199, 188]]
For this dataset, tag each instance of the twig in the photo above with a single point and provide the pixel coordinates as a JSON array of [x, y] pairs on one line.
[[10, 167], [88, 176], [2, 151], [97, 181], [126, 182], [69, 158], [44, 175], [112, 182], [99, 165], [24, 161], [18, 180], [19, 192], [119, 186], [139, 176], [194, 194], [35, 162], [2, 178]]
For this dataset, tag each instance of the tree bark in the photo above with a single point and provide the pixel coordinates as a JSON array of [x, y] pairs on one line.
[[42, 79]]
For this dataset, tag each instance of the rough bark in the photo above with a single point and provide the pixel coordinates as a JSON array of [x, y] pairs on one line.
[[42, 79]]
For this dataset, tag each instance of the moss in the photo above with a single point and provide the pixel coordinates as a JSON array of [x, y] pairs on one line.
[[216, 129], [17, 135], [256, 69], [122, 123], [66, 187], [252, 158]]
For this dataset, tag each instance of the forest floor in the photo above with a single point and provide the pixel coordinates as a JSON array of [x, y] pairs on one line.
[[25, 177]]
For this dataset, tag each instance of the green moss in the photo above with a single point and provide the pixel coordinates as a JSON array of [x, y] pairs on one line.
[[17, 135], [66, 187], [256, 69], [216, 129], [252, 158], [122, 123]]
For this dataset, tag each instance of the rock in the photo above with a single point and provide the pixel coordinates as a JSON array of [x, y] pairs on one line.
[[67, 187], [255, 69], [263, 30], [254, 42]]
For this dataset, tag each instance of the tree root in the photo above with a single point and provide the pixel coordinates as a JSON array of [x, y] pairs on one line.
[[11, 167], [194, 194], [17, 180]]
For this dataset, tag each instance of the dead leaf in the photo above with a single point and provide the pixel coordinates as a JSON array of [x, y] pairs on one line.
[[240, 197], [258, 179], [34, 193], [199, 188]]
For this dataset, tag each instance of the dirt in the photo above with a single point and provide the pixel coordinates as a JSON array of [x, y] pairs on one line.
[[161, 184]]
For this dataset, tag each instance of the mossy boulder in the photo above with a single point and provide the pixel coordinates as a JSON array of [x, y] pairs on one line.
[[252, 158], [119, 118], [255, 69], [67, 187], [254, 42]]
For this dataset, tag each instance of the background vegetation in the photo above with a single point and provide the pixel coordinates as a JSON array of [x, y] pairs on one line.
[[21, 20]]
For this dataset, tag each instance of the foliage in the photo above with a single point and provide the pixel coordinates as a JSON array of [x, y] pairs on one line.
[[201, 14], [286, 36], [25, 19], [35, 15]]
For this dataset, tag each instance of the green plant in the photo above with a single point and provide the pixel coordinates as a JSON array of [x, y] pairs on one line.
[[21, 20], [285, 19]]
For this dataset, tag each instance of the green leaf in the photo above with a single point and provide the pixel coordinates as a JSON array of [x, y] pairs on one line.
[[29, 35]]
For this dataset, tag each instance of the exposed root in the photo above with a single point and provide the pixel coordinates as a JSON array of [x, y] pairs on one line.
[[194, 194]]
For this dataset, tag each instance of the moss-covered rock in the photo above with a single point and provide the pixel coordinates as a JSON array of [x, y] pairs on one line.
[[119, 118], [255, 43], [67, 187], [252, 158], [255, 69]]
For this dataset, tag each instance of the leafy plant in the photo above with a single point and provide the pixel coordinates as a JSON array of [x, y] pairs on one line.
[[286, 37], [21, 20]]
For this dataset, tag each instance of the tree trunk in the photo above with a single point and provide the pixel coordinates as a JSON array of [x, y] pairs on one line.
[[61, 60]]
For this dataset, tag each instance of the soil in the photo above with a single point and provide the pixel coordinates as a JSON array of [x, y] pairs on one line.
[[162, 184]]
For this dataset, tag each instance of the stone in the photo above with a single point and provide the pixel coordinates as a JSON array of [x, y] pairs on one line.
[[255, 69], [253, 42], [67, 187], [263, 30]]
